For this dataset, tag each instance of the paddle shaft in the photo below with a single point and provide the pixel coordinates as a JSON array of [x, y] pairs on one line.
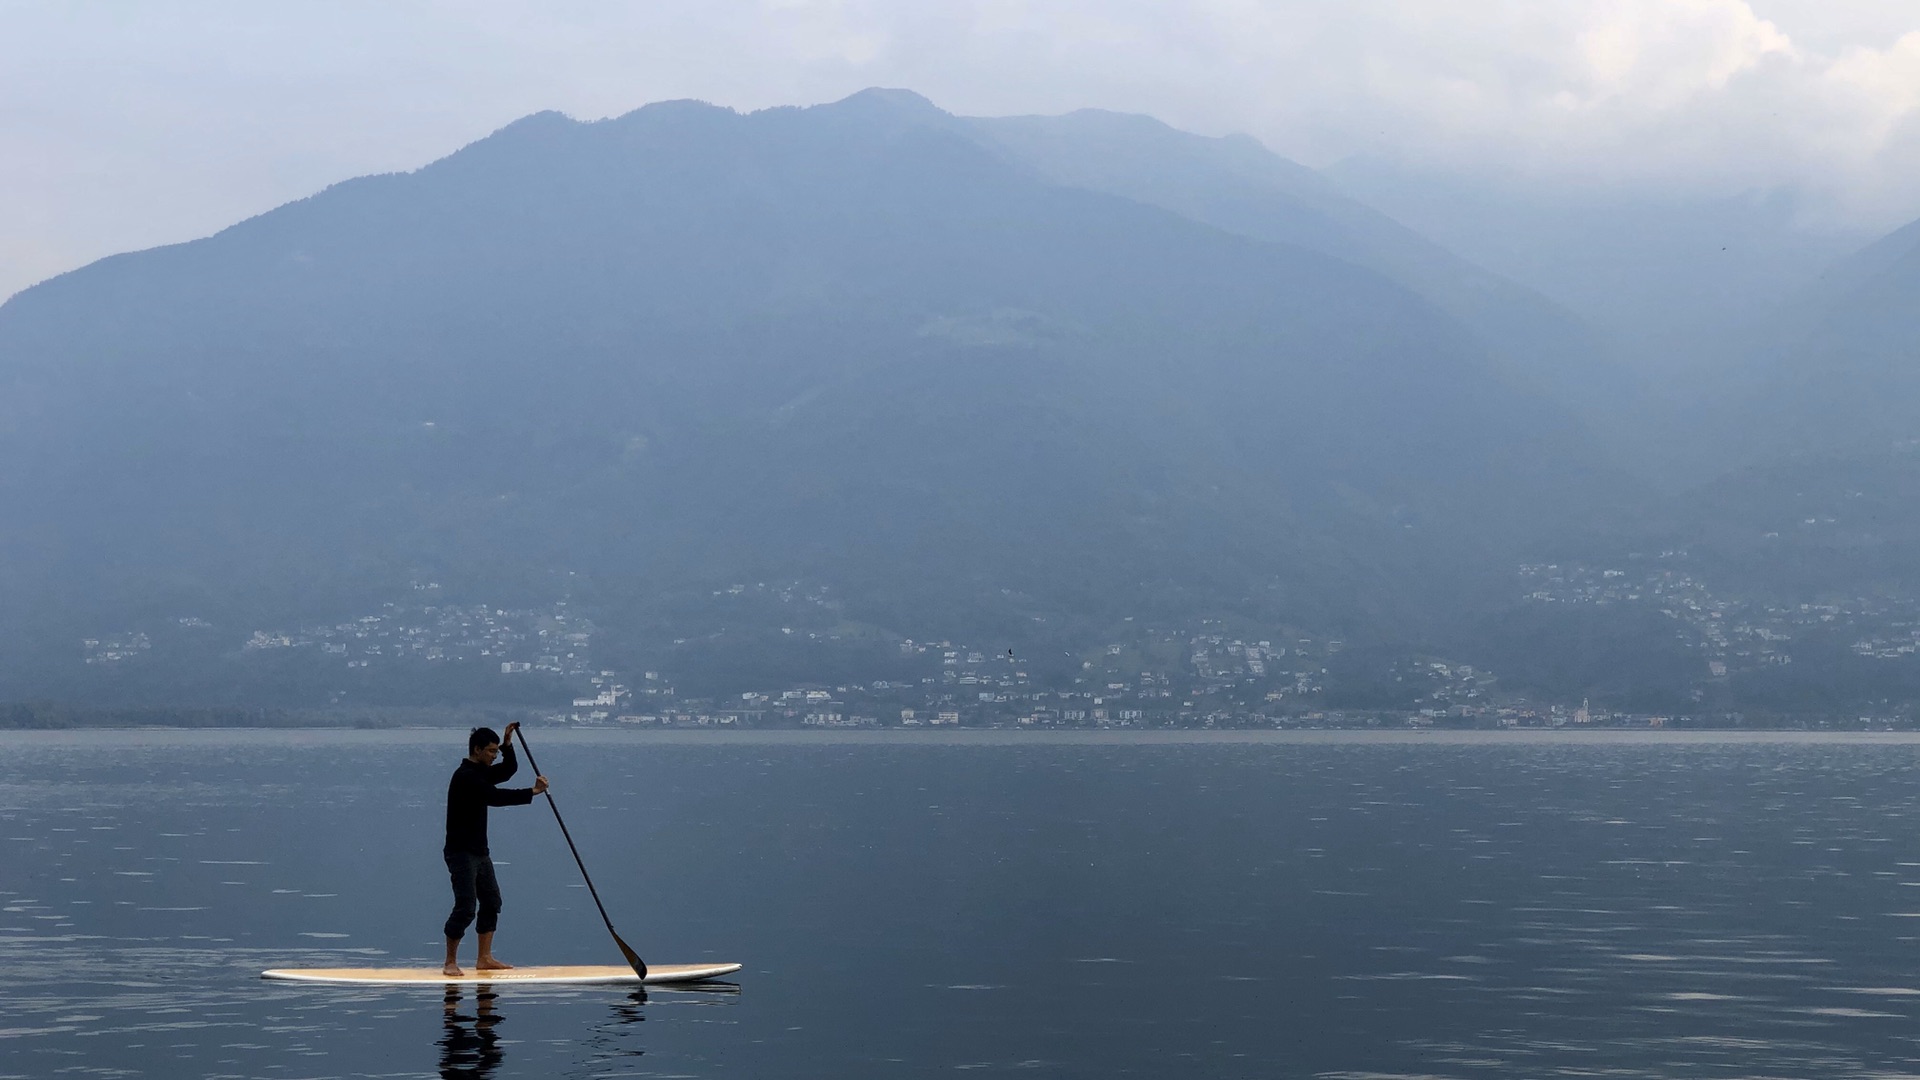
[[633, 958]]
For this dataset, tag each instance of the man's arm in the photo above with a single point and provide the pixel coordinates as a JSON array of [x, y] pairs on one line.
[[516, 796], [505, 767]]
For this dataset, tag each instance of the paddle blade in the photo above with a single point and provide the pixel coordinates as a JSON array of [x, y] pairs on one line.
[[638, 965]]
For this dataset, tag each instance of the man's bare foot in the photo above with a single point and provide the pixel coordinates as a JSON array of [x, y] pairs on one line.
[[488, 963], [452, 970]]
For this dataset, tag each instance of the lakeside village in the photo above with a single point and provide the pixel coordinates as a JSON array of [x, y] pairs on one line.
[[1192, 677], [1732, 636]]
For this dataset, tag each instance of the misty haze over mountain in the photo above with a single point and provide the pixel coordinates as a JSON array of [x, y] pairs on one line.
[[1034, 382]]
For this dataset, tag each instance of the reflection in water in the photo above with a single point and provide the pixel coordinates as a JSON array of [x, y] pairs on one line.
[[610, 1037], [618, 1036], [468, 1046], [710, 988], [628, 1011]]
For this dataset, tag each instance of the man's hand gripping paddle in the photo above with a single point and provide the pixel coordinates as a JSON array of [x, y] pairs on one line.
[[633, 959]]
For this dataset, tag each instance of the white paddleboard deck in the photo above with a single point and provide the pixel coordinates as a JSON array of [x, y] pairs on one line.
[[582, 974]]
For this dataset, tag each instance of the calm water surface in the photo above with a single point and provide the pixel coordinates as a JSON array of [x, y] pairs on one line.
[[1486, 906]]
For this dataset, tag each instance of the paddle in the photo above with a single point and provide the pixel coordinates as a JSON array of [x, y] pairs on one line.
[[633, 959]]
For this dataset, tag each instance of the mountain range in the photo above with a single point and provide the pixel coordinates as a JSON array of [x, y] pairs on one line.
[[1019, 378]]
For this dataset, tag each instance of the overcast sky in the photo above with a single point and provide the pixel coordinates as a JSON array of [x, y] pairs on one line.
[[125, 125]]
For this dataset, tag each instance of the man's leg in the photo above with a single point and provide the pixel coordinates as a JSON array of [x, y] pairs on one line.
[[462, 871], [488, 889], [487, 961]]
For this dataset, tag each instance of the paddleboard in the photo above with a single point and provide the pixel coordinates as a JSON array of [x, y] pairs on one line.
[[578, 974]]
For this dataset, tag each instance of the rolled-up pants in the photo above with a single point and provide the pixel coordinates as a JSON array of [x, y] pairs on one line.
[[473, 886]]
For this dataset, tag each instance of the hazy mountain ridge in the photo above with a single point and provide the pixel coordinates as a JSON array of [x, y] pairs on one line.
[[1016, 378], [1822, 429], [1844, 374], [1236, 184], [683, 346]]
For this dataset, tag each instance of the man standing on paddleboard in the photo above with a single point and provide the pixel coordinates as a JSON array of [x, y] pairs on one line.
[[474, 787]]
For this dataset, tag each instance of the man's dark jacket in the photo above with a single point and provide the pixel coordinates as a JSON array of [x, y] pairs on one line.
[[473, 789]]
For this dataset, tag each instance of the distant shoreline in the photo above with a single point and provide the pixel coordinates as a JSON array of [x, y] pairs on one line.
[[59, 717], [985, 737]]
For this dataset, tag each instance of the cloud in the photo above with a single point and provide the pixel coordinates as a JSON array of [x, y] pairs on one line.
[[1693, 95], [128, 126]]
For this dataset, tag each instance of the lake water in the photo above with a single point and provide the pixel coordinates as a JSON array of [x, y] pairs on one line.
[[1315, 906]]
